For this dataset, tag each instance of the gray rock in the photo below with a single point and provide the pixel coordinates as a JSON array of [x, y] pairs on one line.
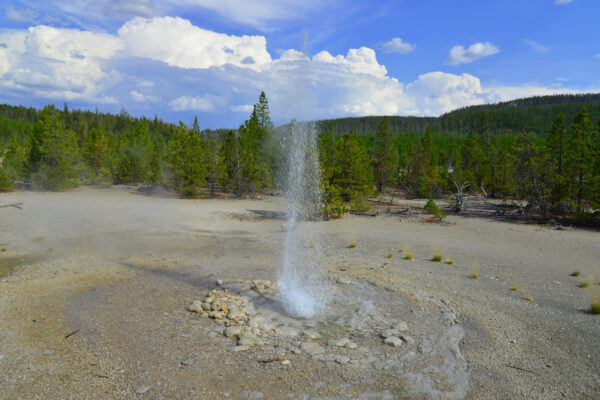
[[343, 280], [312, 348], [389, 333], [310, 334], [187, 362], [142, 389], [236, 287], [195, 307], [401, 326], [340, 342], [351, 345], [407, 339], [252, 395], [47, 352], [248, 339], [219, 282], [233, 331], [343, 360], [239, 348], [393, 341], [286, 331]]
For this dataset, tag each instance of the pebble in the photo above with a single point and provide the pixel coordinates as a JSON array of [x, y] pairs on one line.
[[407, 339], [312, 334], [187, 362], [389, 333], [219, 282], [239, 348], [393, 341], [248, 339], [252, 395], [342, 360], [286, 331], [142, 389], [340, 342], [233, 331], [47, 352], [312, 348], [343, 280], [285, 362], [401, 326], [195, 307]]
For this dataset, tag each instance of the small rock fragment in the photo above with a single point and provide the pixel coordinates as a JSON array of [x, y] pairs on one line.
[[343, 280], [233, 331], [393, 341], [312, 348], [142, 389], [389, 332], [342, 360], [195, 307], [340, 342]]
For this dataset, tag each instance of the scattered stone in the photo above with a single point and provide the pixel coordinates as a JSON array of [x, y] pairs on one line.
[[296, 351], [343, 280], [407, 339], [47, 352], [401, 326], [142, 389], [424, 347], [195, 307], [343, 360], [239, 348], [393, 341], [312, 348], [312, 334], [252, 395], [351, 345], [248, 339], [340, 342], [236, 287], [216, 314], [219, 282], [286, 331], [187, 362], [206, 306], [285, 362], [233, 331], [389, 333]]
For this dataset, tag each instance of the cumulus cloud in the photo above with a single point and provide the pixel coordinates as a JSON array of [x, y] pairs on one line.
[[205, 103], [242, 108], [597, 56], [460, 55], [536, 46], [22, 15], [177, 42], [360, 61], [143, 98], [397, 45]]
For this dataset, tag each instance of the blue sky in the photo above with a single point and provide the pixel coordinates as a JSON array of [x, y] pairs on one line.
[[314, 59]]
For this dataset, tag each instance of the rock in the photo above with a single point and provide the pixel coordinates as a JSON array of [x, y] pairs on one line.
[[407, 339], [206, 306], [389, 333], [251, 395], [47, 352], [195, 307], [343, 360], [216, 314], [295, 351], [312, 334], [285, 362], [393, 341], [343, 280], [286, 331], [187, 362], [350, 345], [142, 389], [219, 282], [209, 299], [340, 342], [236, 287], [401, 326], [233, 331], [248, 339], [424, 347], [312, 348]]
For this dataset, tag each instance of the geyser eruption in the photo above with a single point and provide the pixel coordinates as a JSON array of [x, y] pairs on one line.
[[302, 286]]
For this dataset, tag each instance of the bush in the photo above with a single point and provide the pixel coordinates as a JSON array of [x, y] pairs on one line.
[[432, 208], [5, 183]]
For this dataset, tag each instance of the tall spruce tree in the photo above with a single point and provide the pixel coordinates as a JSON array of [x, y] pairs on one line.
[[385, 155]]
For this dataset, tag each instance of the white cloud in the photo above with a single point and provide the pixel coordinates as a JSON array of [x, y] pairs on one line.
[[143, 98], [205, 103], [397, 45], [177, 42], [563, 2], [359, 61], [536, 46], [460, 55], [597, 56], [22, 15], [243, 108]]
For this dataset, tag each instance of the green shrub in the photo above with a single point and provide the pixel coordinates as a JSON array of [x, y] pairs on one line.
[[595, 307], [432, 208]]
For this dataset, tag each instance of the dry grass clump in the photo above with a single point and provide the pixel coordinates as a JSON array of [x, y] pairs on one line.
[[352, 245], [583, 284], [527, 297], [475, 267], [575, 273], [437, 258], [514, 288], [408, 256], [267, 246], [3, 249], [595, 307], [475, 275], [449, 261]]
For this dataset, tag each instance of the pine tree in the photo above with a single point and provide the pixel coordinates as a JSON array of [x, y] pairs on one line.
[[352, 169], [187, 164], [385, 157], [555, 147]]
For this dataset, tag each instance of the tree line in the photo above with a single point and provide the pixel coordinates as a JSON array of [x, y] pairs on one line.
[[558, 173]]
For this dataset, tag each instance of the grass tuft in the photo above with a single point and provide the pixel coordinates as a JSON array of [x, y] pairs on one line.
[[437, 258], [389, 255], [3, 249], [400, 250], [527, 297], [352, 245], [583, 284], [475, 276], [514, 288], [267, 246], [408, 256], [575, 273], [595, 307], [449, 261]]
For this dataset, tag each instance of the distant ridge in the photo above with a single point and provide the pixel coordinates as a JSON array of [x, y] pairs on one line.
[[531, 114]]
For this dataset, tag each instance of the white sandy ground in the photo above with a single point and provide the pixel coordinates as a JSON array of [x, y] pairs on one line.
[[121, 267]]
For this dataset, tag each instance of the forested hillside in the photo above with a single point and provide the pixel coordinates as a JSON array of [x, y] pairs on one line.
[[534, 114], [555, 167]]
